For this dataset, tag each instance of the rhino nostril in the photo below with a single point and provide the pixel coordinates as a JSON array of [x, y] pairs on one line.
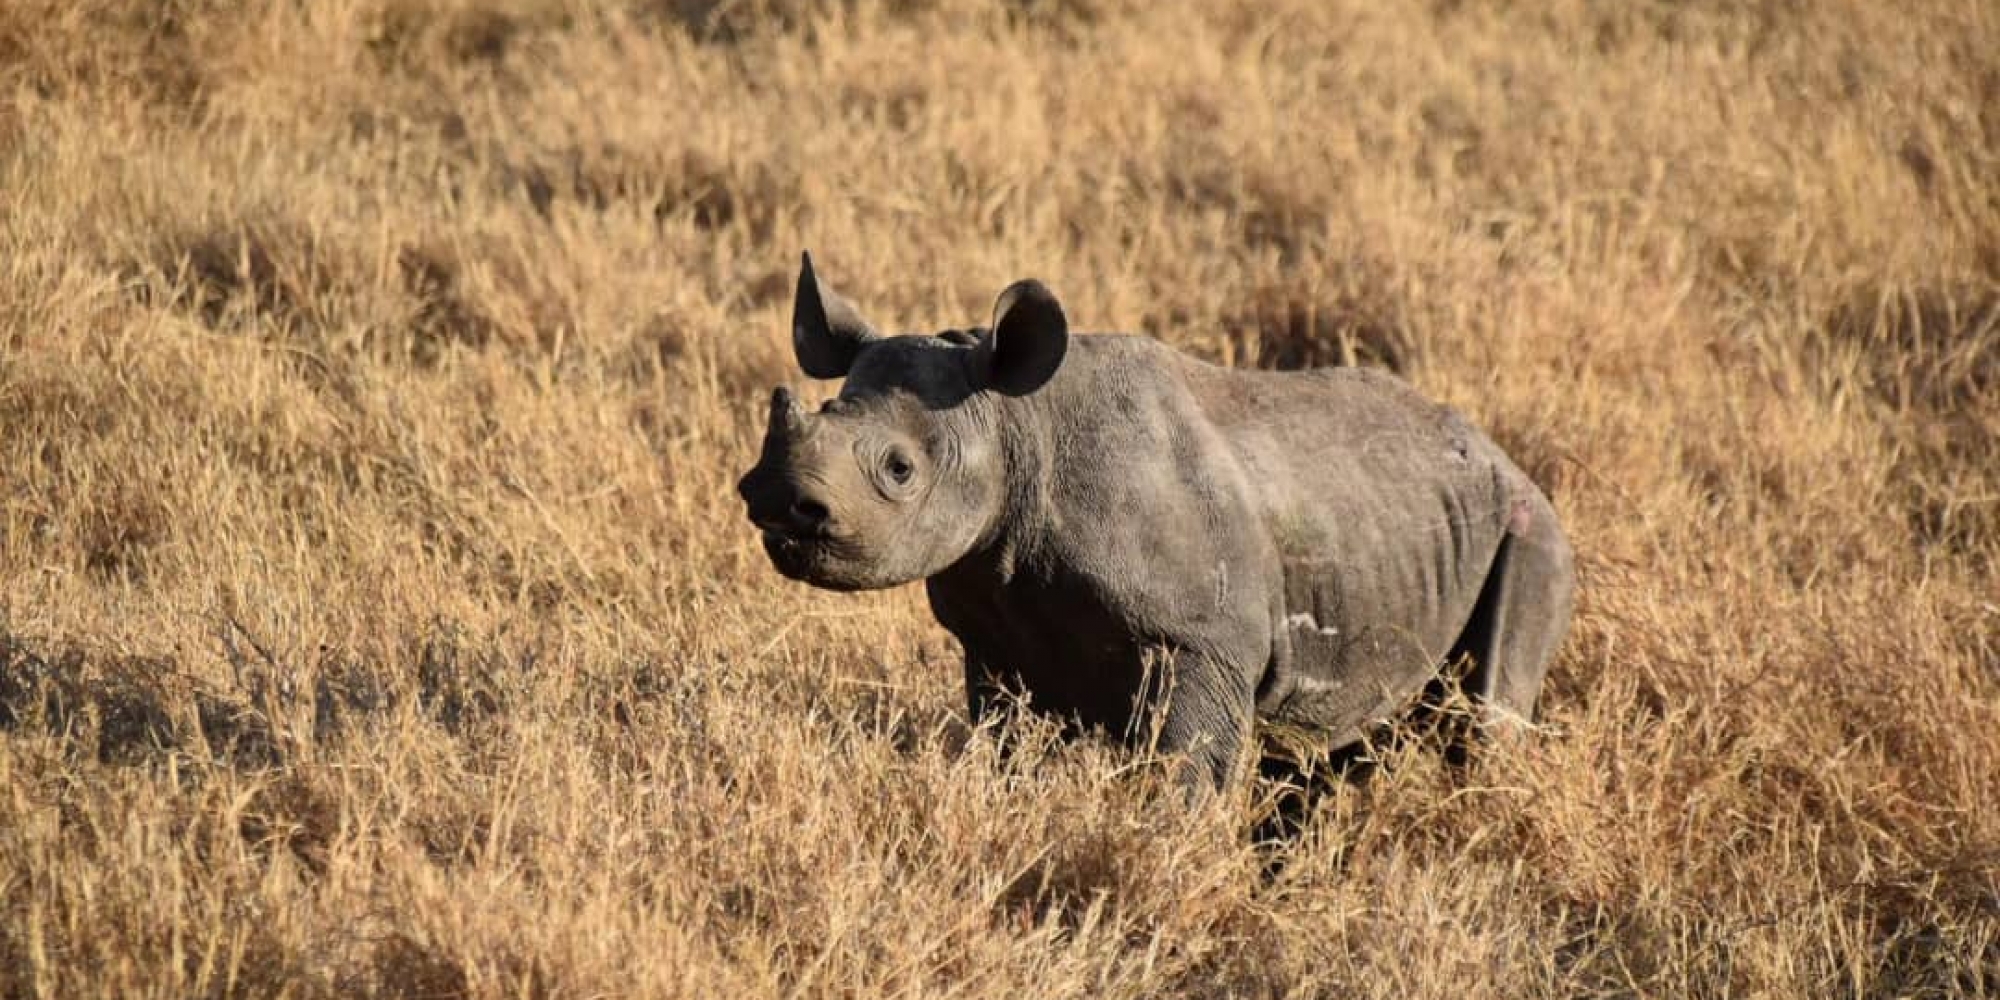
[[810, 512]]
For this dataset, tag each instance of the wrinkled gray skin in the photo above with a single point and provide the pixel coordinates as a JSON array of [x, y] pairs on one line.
[[1141, 543]]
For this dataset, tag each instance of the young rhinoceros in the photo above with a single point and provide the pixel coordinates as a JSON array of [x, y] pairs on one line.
[[1143, 543]]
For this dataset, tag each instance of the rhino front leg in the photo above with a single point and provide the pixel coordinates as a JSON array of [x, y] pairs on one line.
[[1198, 712], [1523, 614]]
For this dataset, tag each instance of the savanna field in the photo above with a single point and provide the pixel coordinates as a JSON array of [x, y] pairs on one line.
[[378, 617]]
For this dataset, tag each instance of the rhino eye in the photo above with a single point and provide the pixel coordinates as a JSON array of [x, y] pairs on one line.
[[898, 466]]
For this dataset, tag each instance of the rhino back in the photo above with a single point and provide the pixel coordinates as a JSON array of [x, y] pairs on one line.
[[1385, 510], [1322, 534]]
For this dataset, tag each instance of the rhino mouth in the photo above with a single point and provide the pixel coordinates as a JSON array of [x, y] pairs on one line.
[[782, 543], [808, 558]]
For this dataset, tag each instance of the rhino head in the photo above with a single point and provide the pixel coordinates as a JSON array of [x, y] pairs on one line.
[[905, 472]]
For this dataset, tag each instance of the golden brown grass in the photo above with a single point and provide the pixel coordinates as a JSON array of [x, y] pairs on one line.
[[376, 616]]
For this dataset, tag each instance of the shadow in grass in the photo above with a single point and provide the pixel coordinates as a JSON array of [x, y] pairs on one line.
[[408, 969], [1354, 315], [1074, 884], [1287, 328], [123, 709], [1931, 357]]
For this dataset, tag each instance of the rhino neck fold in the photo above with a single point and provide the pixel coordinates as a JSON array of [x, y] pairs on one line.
[[1020, 517]]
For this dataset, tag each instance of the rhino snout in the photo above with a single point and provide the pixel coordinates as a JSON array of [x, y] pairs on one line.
[[780, 506]]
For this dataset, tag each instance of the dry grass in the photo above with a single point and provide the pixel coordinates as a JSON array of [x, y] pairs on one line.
[[376, 617]]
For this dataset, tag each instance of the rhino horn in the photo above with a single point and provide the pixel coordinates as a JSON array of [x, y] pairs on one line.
[[788, 418]]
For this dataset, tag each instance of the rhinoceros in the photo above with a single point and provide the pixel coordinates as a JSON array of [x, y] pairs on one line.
[[1137, 542]]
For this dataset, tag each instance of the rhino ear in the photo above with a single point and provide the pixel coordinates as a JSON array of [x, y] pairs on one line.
[[1026, 345], [826, 331]]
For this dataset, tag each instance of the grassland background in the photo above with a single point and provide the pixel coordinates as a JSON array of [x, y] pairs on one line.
[[377, 618]]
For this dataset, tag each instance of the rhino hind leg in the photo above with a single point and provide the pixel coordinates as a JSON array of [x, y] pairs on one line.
[[1522, 614]]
